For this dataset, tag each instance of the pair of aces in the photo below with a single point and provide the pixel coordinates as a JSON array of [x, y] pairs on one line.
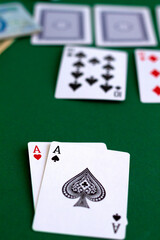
[[79, 189], [114, 25]]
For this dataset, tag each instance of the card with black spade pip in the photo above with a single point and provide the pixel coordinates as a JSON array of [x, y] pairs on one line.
[[38, 153], [92, 73], [84, 193]]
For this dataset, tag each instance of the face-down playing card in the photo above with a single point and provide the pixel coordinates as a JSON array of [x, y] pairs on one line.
[[38, 153], [84, 193], [91, 73], [62, 24], [158, 18], [148, 73], [123, 26]]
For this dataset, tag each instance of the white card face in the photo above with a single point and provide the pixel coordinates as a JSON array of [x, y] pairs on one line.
[[158, 18], [38, 153], [91, 73], [62, 24], [123, 26], [148, 72], [84, 193]]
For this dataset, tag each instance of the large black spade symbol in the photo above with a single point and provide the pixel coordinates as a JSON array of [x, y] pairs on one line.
[[84, 185]]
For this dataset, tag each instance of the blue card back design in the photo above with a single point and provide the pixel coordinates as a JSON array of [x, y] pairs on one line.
[[61, 25], [123, 27]]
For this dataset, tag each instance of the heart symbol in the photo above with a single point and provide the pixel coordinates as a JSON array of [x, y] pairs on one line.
[[37, 156], [116, 217]]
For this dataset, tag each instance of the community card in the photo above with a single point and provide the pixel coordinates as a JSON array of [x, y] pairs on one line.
[[158, 18], [91, 73], [15, 21], [148, 73], [83, 193], [38, 152], [123, 26], [62, 24]]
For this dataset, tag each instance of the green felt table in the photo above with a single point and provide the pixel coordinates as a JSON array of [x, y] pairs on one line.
[[29, 112]]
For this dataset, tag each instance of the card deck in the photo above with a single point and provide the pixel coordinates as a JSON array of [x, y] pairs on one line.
[[62, 24], [83, 189], [148, 72], [15, 21], [91, 73], [38, 152], [123, 26]]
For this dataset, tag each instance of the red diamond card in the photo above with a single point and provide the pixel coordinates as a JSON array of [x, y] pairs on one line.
[[148, 72]]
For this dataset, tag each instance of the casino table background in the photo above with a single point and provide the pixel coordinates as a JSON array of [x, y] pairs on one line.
[[29, 112]]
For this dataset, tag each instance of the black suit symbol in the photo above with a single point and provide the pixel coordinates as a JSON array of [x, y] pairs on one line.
[[82, 186], [80, 55], [75, 86], [55, 158], [78, 64], [91, 80], [109, 58], [116, 217], [108, 67], [94, 61]]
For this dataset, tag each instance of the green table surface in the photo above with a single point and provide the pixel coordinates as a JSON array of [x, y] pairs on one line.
[[29, 112]]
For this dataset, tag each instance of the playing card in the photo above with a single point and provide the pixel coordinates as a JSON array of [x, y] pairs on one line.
[[158, 18], [148, 72], [38, 152], [91, 73], [84, 193], [16, 21], [123, 26], [62, 24]]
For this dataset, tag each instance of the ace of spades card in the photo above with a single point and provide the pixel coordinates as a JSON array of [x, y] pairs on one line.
[[84, 193], [91, 73]]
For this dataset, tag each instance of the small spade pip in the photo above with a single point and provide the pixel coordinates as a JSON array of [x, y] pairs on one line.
[[55, 158]]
